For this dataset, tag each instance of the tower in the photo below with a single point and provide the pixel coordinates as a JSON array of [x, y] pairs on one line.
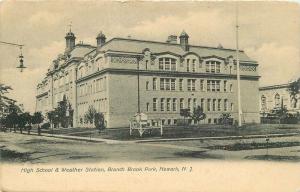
[[184, 41], [70, 41], [100, 39]]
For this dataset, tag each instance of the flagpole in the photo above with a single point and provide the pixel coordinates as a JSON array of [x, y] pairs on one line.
[[238, 70]]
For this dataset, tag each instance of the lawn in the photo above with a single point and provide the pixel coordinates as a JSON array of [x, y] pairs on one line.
[[181, 131]]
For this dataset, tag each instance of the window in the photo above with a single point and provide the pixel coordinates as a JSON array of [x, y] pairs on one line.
[[188, 65], [189, 103], [218, 66], [174, 104], [193, 65], [213, 85], [181, 105], [231, 88], [161, 64], [202, 103], [218, 86], [231, 107], [215, 121], [180, 84], [214, 105], [169, 121], [147, 106], [154, 104], [225, 104], [207, 69], [219, 104], [208, 104], [168, 104], [277, 100], [173, 65], [147, 85], [225, 86], [194, 103], [173, 84], [191, 84], [201, 85], [154, 83], [162, 84], [208, 85], [209, 121], [162, 104], [168, 64], [263, 102], [213, 67], [167, 84], [146, 66]]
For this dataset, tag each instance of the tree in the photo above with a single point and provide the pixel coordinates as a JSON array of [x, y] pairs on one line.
[[89, 116], [99, 121], [61, 111], [11, 120], [294, 90], [185, 113], [225, 118], [198, 114], [51, 115], [23, 119], [5, 102], [37, 119]]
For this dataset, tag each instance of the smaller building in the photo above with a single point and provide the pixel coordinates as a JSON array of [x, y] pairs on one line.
[[275, 96]]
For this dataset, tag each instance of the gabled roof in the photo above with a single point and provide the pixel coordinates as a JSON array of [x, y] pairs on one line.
[[134, 45]]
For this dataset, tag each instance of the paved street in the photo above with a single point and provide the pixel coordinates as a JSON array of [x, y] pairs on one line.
[[31, 148]]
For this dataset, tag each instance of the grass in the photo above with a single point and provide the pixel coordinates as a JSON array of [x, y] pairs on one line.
[[181, 131], [9, 155]]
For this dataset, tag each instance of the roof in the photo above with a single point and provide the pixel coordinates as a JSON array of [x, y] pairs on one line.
[[137, 46], [81, 50], [270, 87]]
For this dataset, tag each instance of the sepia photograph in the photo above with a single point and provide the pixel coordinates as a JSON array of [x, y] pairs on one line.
[[130, 92]]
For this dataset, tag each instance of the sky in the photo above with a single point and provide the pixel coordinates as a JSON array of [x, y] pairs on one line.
[[269, 33]]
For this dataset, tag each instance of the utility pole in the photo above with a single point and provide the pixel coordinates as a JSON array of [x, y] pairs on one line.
[[238, 70], [138, 84]]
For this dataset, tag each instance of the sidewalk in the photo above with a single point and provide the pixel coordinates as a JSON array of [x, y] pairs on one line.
[[217, 138]]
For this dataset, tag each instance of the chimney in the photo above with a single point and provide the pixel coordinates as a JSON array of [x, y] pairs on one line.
[[100, 39], [184, 41], [172, 39]]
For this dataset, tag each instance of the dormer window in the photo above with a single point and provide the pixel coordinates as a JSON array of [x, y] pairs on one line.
[[167, 64], [213, 66]]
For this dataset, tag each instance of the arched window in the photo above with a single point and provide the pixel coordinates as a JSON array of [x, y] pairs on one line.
[[277, 100], [167, 64], [263, 102]]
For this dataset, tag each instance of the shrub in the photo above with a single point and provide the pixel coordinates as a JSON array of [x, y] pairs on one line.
[[45, 126]]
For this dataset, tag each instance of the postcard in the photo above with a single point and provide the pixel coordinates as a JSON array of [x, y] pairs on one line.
[[149, 96]]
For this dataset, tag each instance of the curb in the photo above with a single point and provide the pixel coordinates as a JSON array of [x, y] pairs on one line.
[[218, 138]]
